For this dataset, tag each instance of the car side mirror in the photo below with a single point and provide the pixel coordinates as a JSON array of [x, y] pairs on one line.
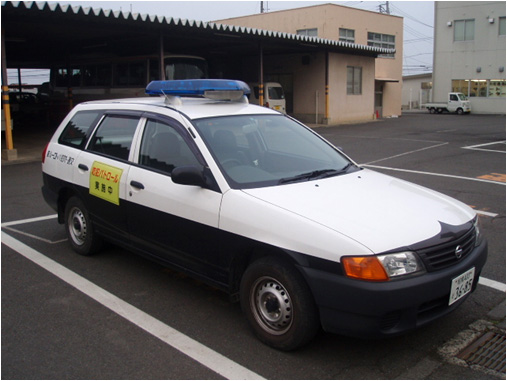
[[188, 175]]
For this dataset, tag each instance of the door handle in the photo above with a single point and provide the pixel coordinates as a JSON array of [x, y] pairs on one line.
[[83, 167], [137, 184]]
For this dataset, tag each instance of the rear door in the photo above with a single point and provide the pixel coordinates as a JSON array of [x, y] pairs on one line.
[[178, 223], [101, 171]]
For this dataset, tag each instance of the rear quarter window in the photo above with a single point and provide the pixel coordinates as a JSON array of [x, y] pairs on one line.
[[79, 128]]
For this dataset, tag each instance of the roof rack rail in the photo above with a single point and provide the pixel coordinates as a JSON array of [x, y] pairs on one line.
[[216, 89]]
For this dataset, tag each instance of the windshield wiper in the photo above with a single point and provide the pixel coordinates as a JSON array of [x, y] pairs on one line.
[[320, 173], [309, 175]]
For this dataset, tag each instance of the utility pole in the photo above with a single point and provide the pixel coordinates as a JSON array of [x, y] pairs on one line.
[[384, 8], [262, 6]]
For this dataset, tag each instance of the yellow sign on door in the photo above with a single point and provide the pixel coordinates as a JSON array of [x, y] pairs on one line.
[[105, 182]]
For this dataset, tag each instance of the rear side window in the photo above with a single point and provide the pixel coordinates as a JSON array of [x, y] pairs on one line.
[[79, 128], [114, 136]]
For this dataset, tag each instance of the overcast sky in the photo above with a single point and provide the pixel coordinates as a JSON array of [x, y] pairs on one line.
[[417, 31]]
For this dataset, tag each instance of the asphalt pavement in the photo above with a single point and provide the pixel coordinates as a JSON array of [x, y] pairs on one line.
[[118, 316]]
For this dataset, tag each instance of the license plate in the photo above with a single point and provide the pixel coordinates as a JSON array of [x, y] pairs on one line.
[[277, 107], [461, 285]]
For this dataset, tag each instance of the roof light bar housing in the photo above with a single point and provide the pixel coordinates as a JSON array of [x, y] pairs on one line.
[[216, 89]]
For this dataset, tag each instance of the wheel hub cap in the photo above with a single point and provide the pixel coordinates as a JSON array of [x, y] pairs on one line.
[[272, 306]]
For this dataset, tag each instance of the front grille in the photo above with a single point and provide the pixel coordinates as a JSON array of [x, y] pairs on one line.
[[444, 255]]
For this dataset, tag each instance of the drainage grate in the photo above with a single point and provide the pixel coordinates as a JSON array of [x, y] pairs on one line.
[[487, 351]]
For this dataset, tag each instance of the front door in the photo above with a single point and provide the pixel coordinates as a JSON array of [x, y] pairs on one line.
[[178, 223]]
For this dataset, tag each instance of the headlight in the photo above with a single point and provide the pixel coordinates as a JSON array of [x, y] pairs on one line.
[[400, 263], [382, 267]]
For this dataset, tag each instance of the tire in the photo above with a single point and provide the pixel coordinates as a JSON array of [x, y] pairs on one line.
[[432, 110], [440, 110], [79, 228], [459, 111], [278, 304]]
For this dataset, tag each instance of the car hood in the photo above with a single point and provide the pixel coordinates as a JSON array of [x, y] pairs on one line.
[[380, 212]]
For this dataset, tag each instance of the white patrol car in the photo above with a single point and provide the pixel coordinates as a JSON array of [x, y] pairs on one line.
[[255, 203]]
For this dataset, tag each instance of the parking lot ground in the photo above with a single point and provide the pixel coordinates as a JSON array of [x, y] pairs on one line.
[[53, 326]]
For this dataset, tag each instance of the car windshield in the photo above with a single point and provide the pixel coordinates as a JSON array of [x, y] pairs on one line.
[[265, 150]]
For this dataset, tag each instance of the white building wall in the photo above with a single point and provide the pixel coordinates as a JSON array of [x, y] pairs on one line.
[[475, 61]]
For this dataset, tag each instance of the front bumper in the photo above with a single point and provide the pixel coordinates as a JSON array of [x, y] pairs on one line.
[[379, 309]]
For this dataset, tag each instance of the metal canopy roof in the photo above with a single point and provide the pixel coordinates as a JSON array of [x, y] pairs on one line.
[[39, 33]]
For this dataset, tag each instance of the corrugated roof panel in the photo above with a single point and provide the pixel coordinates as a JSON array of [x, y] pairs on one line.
[[89, 12]]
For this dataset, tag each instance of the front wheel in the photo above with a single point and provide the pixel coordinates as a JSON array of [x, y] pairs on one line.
[[79, 227], [278, 304], [459, 111]]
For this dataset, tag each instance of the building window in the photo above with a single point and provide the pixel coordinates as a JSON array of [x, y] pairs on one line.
[[354, 80], [501, 26], [482, 88], [460, 86], [496, 88], [308, 32], [347, 35], [478, 88], [464, 30], [379, 40]]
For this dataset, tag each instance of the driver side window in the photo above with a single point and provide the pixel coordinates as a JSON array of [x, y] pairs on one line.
[[163, 148]]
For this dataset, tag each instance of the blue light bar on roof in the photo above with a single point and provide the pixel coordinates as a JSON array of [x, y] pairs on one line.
[[219, 89]]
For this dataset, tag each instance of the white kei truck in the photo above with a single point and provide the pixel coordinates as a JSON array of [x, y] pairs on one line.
[[456, 102]]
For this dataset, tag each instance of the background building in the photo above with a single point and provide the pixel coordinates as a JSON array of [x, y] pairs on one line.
[[359, 87], [416, 91], [469, 53]]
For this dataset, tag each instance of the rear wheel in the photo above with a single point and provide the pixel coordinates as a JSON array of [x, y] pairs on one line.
[[79, 227], [278, 304]]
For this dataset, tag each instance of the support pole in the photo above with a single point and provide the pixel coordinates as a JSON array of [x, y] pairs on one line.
[[326, 112], [19, 80], [9, 153], [70, 97], [161, 57], [70, 74], [261, 76]]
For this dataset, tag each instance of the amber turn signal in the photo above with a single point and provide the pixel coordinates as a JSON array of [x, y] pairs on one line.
[[365, 268]]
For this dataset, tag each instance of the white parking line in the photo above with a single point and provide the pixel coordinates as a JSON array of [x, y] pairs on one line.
[[488, 214], [477, 147], [34, 236], [193, 349], [408, 153], [492, 284], [434, 174], [28, 220]]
